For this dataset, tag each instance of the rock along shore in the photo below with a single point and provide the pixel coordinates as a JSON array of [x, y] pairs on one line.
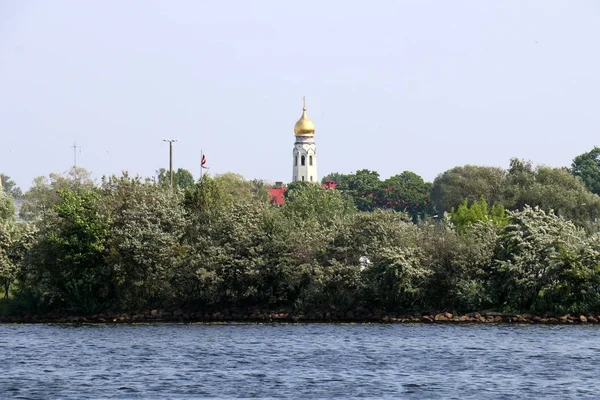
[[358, 315]]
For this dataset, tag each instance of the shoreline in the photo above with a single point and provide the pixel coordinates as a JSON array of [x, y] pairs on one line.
[[258, 316]]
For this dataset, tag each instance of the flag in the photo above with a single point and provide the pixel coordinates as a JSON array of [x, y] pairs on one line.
[[203, 162]]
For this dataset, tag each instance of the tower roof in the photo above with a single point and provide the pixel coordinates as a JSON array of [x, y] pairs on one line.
[[304, 126]]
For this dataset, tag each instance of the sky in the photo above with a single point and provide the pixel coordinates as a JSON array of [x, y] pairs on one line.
[[391, 85]]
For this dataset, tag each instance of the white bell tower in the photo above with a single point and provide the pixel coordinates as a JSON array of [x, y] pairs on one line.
[[305, 149]]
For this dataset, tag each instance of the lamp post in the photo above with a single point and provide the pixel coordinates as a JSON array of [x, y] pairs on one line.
[[170, 159]]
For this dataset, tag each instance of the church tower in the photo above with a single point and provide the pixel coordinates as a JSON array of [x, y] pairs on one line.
[[305, 150]]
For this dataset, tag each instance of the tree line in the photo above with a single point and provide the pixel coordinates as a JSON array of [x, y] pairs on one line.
[[520, 239]]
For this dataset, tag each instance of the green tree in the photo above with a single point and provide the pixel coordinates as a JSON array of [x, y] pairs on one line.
[[469, 182], [10, 187], [530, 259], [68, 269], [41, 198], [551, 189], [7, 207], [478, 211], [587, 167], [363, 186], [182, 178], [307, 200], [234, 187], [398, 279], [16, 239], [406, 192], [259, 190], [144, 251], [339, 178]]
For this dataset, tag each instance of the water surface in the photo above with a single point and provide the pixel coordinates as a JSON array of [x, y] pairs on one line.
[[179, 361]]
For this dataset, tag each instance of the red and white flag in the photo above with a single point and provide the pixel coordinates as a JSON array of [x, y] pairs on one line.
[[203, 162]]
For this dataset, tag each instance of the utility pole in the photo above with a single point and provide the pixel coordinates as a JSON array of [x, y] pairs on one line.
[[170, 158], [75, 147]]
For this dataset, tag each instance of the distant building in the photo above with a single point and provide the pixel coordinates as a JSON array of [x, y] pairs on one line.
[[305, 149], [304, 159], [329, 185], [276, 194]]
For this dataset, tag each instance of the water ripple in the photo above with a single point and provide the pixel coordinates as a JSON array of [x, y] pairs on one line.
[[298, 361]]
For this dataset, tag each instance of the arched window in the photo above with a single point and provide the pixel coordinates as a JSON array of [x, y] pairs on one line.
[[303, 161], [302, 175], [310, 161], [311, 178], [295, 160]]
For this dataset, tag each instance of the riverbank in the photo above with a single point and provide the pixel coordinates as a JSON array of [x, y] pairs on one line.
[[331, 316]]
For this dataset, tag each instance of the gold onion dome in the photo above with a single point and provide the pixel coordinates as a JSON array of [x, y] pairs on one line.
[[304, 126]]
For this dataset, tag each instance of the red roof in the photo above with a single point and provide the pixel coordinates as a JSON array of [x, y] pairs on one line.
[[276, 196], [276, 193], [329, 185]]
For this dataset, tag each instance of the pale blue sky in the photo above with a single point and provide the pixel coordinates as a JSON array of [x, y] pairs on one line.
[[391, 85]]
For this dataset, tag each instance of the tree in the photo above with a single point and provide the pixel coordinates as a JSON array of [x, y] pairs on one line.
[[587, 167], [10, 187], [551, 189], [16, 238], [68, 266], [406, 192], [478, 211], [306, 200], [7, 207], [363, 187], [535, 253], [469, 182], [235, 187], [182, 178], [144, 250], [339, 178], [41, 198]]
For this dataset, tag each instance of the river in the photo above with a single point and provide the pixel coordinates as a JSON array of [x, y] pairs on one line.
[[177, 361]]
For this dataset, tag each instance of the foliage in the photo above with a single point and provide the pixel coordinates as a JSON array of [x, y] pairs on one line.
[[406, 192], [10, 187], [535, 253], [133, 244], [68, 268], [7, 207], [551, 189], [586, 166], [469, 182], [144, 249], [40, 199], [479, 211], [16, 239], [182, 178], [306, 201], [340, 179], [397, 279]]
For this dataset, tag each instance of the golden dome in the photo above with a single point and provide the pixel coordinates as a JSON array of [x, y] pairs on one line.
[[304, 126]]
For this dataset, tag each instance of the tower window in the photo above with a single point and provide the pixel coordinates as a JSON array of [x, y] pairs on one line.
[[303, 161], [295, 160], [311, 178], [302, 178], [310, 161]]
